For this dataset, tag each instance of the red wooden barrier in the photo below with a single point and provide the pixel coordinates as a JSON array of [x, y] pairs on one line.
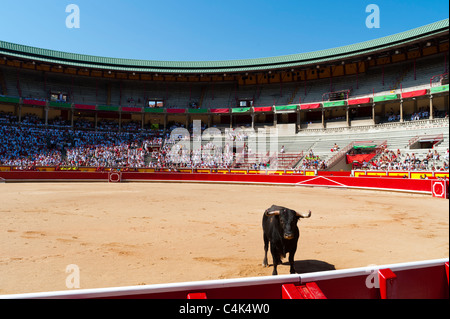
[[421, 279], [446, 270], [388, 284], [197, 295], [308, 291], [439, 188], [386, 183], [420, 283]]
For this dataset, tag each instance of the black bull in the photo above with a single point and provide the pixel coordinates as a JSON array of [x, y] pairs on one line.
[[280, 229]]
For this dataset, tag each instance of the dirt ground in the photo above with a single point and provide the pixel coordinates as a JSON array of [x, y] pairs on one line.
[[147, 233]]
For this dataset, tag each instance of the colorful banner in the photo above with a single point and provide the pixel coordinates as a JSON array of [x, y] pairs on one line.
[[359, 101], [220, 111], [153, 110], [382, 98], [334, 103], [108, 108], [263, 109], [310, 106], [34, 102], [197, 111], [282, 108], [414, 93], [176, 111], [439, 89], [85, 107], [131, 109], [60, 104], [240, 110], [9, 99]]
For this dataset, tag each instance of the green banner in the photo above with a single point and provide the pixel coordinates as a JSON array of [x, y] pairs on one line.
[[286, 107], [382, 98], [438, 89], [108, 108], [60, 104], [197, 111], [240, 110], [9, 99], [153, 110], [334, 103]]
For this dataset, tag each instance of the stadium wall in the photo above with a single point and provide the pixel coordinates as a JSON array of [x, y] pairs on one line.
[[420, 186]]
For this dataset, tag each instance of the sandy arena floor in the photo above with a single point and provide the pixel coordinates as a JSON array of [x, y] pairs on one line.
[[148, 233]]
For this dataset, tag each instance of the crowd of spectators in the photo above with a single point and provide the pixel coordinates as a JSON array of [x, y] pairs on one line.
[[312, 161], [396, 160], [27, 147], [422, 114], [31, 145], [174, 156]]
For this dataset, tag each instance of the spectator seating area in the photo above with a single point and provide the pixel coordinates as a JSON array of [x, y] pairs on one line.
[[30, 144]]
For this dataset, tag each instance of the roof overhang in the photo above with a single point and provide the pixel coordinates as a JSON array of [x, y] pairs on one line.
[[351, 52]]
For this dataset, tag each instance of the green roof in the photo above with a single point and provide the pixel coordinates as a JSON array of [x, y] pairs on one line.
[[286, 61]]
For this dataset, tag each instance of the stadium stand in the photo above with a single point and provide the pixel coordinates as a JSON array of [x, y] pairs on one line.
[[61, 109]]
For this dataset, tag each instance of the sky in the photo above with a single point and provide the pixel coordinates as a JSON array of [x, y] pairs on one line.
[[207, 30]]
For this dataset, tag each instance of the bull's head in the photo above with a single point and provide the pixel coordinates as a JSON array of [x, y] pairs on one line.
[[288, 220]]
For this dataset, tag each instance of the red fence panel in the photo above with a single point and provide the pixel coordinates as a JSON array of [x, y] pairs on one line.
[[385, 183]]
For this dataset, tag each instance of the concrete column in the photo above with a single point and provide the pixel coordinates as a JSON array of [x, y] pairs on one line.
[[253, 121], [373, 113], [401, 110], [431, 108], [347, 115], [323, 118], [46, 115]]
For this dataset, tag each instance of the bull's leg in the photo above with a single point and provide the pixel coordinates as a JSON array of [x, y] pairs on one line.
[[266, 247], [291, 262], [291, 259], [276, 259]]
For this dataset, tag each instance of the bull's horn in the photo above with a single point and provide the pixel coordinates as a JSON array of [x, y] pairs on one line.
[[304, 215], [274, 212]]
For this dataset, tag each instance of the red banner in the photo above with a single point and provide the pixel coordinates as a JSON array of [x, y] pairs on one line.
[[34, 102], [85, 107], [309, 106], [359, 101], [131, 109], [176, 111], [414, 93], [263, 109], [220, 110]]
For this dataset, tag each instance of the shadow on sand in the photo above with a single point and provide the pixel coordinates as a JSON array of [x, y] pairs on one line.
[[311, 265]]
